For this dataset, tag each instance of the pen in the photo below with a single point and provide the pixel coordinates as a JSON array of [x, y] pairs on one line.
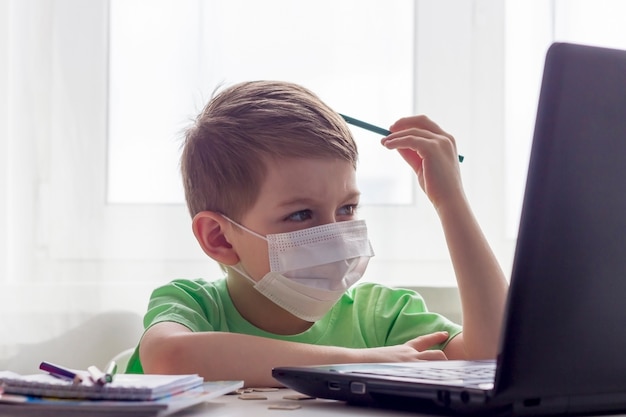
[[366, 126], [60, 372], [373, 128]]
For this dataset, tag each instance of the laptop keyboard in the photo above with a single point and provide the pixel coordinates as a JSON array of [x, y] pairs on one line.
[[475, 373]]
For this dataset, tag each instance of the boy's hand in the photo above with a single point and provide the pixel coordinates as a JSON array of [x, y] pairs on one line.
[[432, 154], [411, 351]]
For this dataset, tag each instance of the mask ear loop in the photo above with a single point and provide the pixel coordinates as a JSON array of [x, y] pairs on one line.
[[243, 227], [238, 267]]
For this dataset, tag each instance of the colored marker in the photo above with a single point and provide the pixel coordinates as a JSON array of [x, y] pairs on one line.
[[373, 128], [110, 371], [60, 372], [96, 375]]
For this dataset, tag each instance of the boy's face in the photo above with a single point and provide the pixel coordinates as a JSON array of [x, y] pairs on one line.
[[297, 194]]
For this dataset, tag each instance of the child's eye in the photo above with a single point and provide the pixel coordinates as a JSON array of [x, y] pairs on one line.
[[300, 216], [348, 210]]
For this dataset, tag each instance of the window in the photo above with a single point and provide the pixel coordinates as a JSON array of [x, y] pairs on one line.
[[360, 60]]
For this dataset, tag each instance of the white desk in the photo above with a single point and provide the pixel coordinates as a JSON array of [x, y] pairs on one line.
[[233, 406]]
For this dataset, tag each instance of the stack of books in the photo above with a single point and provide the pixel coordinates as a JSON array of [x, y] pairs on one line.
[[50, 394]]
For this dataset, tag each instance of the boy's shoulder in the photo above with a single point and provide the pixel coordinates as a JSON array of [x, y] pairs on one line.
[[197, 286], [371, 290], [195, 283]]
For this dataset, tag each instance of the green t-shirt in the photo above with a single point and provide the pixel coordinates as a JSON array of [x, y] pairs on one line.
[[367, 315]]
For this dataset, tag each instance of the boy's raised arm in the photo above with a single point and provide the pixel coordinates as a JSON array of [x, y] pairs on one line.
[[482, 285], [432, 154]]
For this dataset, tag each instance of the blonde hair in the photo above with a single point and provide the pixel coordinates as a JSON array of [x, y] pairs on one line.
[[246, 127]]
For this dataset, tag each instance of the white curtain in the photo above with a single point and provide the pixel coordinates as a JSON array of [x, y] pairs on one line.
[[40, 296]]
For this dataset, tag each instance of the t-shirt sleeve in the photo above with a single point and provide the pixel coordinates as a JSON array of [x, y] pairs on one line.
[[192, 303], [187, 302], [401, 315]]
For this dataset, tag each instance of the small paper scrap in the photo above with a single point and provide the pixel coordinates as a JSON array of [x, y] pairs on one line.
[[284, 407], [252, 397]]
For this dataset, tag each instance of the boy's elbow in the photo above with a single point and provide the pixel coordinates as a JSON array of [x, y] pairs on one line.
[[163, 352], [159, 358]]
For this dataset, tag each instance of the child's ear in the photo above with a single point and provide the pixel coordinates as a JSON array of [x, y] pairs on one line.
[[209, 228]]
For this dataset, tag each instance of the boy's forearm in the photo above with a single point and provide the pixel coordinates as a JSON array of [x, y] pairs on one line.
[[232, 356], [482, 284]]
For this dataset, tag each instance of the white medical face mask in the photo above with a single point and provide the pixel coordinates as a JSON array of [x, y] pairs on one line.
[[310, 269]]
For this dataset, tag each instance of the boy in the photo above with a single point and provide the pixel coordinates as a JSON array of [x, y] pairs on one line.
[[269, 178]]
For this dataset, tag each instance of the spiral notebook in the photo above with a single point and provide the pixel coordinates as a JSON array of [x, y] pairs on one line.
[[29, 406], [131, 387]]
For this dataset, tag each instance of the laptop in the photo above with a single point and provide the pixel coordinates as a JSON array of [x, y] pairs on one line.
[[563, 346]]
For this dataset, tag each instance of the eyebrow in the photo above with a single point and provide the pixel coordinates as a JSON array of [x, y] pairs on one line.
[[309, 201]]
